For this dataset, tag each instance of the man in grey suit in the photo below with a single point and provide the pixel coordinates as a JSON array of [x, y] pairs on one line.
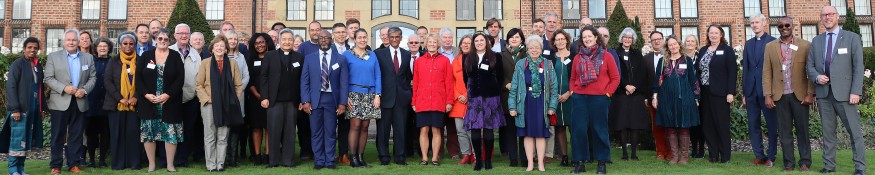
[[838, 54], [70, 75]]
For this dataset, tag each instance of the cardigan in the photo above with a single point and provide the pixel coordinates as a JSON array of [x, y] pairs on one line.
[[517, 96], [174, 77]]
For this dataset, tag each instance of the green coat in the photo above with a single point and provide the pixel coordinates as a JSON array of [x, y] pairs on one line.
[[517, 97]]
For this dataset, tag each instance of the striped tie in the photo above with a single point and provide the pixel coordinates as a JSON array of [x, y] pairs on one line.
[[324, 71]]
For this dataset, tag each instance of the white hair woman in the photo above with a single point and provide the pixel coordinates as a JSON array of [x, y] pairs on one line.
[[628, 116], [533, 96]]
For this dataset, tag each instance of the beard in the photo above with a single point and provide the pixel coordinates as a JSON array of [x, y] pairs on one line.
[[324, 48]]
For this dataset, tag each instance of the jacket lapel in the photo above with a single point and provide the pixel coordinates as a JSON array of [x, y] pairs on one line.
[[64, 67]]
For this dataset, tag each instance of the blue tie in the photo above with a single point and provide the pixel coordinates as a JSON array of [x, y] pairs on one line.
[[828, 53]]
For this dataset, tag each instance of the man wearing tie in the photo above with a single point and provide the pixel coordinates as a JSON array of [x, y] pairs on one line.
[[324, 87], [396, 97], [70, 75], [144, 39], [835, 62]]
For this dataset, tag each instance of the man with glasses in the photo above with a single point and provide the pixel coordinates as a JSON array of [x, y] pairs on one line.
[[339, 38], [191, 60], [657, 41], [307, 48], [324, 89], [838, 53], [752, 84], [395, 98]]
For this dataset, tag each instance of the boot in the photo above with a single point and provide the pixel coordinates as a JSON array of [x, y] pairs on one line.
[[602, 168], [478, 165], [685, 147], [354, 161], [579, 167], [362, 160], [625, 155], [672, 139], [490, 150], [478, 153], [564, 162], [634, 148]]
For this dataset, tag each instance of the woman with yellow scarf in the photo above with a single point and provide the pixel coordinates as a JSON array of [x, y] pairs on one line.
[[124, 125]]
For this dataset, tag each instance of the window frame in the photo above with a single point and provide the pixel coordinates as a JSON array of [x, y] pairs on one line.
[[698, 33], [871, 35], [579, 15], [670, 11], [458, 35], [207, 11], [727, 34], [401, 8], [500, 10], [109, 12], [19, 43], [29, 12], [783, 10], [82, 10], [303, 33], [373, 16], [665, 35], [114, 38], [316, 10], [777, 32], [3, 9], [841, 11], [473, 11], [759, 6], [303, 9], [816, 31], [60, 40], [574, 35], [607, 15], [681, 9], [869, 8]]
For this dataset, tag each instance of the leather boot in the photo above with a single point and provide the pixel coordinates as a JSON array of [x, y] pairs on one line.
[[354, 161], [579, 167], [231, 151], [672, 139], [685, 146]]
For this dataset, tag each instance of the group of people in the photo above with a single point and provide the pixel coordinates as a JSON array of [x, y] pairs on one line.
[[278, 89]]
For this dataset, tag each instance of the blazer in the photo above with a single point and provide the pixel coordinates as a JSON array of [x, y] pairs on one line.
[[396, 86], [722, 69], [57, 76], [98, 94], [203, 83], [459, 89], [846, 68], [752, 65], [19, 89], [271, 74], [773, 72], [111, 81], [634, 72], [174, 77], [338, 77]]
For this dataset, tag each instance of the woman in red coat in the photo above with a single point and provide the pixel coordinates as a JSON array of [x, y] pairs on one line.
[[432, 97]]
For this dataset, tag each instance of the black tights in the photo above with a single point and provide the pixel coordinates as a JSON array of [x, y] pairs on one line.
[[358, 135], [483, 138], [630, 137]]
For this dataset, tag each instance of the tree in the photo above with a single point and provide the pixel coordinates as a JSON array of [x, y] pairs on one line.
[[189, 12], [851, 22], [637, 26], [616, 23]]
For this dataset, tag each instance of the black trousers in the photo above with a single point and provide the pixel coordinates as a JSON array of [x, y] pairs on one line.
[[508, 139], [791, 114], [97, 131], [715, 125], [394, 119], [412, 134], [305, 139], [68, 127], [124, 129], [281, 122], [342, 135]]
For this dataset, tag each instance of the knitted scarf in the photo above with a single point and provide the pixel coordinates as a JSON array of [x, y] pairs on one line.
[[590, 63], [536, 75], [226, 106], [129, 62]]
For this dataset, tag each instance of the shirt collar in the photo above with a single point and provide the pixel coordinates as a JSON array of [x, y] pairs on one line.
[[835, 31], [328, 52], [73, 55], [442, 51]]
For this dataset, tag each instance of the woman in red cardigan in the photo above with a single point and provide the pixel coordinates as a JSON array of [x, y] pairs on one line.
[[432, 97], [594, 76]]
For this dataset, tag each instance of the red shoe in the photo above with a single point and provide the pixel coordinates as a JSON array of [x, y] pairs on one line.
[[757, 162], [466, 159], [76, 170], [548, 160], [56, 171], [343, 160]]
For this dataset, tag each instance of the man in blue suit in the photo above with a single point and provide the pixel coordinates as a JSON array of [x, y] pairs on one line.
[[752, 81], [324, 87]]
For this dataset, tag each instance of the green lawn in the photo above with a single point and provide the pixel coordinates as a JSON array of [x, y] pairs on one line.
[[648, 165]]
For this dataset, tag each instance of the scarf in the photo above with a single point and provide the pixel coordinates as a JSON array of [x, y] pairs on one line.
[[590, 64], [226, 106], [129, 62], [536, 76], [515, 53]]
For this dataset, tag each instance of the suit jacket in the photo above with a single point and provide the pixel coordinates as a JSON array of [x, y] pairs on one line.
[[651, 68], [752, 65], [311, 78], [271, 74], [773, 72], [146, 83], [846, 68], [395, 85], [57, 76], [722, 69]]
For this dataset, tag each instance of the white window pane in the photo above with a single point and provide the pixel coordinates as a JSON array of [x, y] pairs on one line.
[[3, 9], [461, 32], [597, 9], [691, 30], [776, 8], [727, 34], [666, 31], [215, 9], [91, 9], [296, 10], [663, 9], [809, 32], [410, 8], [571, 9], [574, 32], [21, 9], [381, 8], [689, 9], [751, 7], [840, 5], [18, 37], [492, 9], [773, 30], [324, 9], [866, 34], [863, 7], [54, 40], [748, 33], [301, 32], [465, 9], [113, 35], [118, 9]]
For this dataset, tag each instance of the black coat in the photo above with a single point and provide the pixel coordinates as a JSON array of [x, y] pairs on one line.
[[19, 89], [723, 70], [271, 74], [395, 85], [634, 72], [112, 83], [146, 83], [97, 95]]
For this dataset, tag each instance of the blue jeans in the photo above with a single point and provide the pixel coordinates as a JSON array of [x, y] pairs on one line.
[[755, 106], [590, 111]]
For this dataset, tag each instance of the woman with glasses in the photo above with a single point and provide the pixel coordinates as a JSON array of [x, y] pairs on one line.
[[256, 116], [460, 100], [121, 101], [160, 76], [364, 95], [561, 43], [96, 127]]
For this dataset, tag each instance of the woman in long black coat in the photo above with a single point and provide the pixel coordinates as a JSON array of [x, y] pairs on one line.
[[120, 101], [629, 114]]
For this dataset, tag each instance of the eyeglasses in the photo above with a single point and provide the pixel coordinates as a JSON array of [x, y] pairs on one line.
[[323, 37], [783, 26], [414, 42], [127, 44], [162, 39], [182, 33]]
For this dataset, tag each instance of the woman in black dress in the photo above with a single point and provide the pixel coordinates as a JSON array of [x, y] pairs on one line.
[[121, 101], [629, 114], [256, 115]]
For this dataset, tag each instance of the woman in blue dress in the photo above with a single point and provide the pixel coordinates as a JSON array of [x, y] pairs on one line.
[[533, 96], [676, 88]]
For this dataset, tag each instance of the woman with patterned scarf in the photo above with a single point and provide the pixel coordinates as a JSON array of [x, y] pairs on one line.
[[22, 129], [594, 77], [533, 97], [124, 125]]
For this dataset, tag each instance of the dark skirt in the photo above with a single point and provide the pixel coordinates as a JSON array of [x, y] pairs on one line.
[[484, 113], [256, 116], [430, 118], [536, 126], [629, 112]]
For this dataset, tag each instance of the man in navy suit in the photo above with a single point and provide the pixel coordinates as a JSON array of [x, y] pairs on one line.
[[324, 87], [395, 100], [752, 83]]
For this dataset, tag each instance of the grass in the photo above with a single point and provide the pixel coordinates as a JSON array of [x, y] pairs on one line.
[[647, 165]]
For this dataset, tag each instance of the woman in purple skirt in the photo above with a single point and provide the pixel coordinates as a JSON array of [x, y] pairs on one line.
[[483, 75]]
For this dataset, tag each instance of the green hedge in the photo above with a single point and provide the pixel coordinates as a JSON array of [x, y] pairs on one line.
[[869, 58]]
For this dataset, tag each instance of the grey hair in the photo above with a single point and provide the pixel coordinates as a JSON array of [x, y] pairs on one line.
[[446, 31], [127, 35], [551, 14], [286, 30], [535, 39], [73, 31], [231, 32], [603, 28], [628, 31], [197, 33], [758, 16], [413, 36], [181, 25], [394, 30]]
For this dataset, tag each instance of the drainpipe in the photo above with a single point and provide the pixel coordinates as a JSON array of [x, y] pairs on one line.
[[254, 4], [533, 11]]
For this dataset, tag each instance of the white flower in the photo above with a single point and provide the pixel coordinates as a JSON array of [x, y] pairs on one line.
[[5, 75], [867, 73], [738, 48], [4, 50], [646, 50]]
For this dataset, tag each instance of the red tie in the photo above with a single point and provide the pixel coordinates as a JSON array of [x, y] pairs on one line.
[[395, 60]]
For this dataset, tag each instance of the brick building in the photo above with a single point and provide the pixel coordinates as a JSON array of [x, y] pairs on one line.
[[47, 19]]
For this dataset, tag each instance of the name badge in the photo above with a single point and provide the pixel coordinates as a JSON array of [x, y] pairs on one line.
[[719, 52], [84, 67], [784, 67], [843, 50], [296, 65], [794, 47], [484, 67], [35, 69], [682, 66], [257, 63], [566, 61], [335, 66], [546, 52], [150, 66], [625, 58], [540, 70]]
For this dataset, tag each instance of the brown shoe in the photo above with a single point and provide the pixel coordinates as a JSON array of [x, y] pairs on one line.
[[757, 162], [56, 171], [803, 168], [548, 160], [788, 169], [769, 163], [343, 159], [76, 170]]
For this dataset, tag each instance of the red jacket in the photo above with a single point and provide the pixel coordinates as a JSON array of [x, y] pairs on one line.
[[606, 82], [432, 83]]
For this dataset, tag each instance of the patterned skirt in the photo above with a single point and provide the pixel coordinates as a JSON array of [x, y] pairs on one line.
[[362, 106], [153, 130], [484, 113]]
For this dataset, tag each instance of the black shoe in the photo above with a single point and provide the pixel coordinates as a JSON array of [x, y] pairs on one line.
[[318, 167], [859, 172], [564, 162], [514, 163], [487, 165], [478, 166], [635, 158], [221, 170], [601, 168], [362, 160], [384, 163], [331, 166], [401, 162], [827, 171], [579, 167], [354, 161]]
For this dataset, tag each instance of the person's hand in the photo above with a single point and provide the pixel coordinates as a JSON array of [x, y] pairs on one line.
[[507, 86], [163, 98], [132, 101], [307, 108], [730, 98], [449, 107], [16, 116], [655, 103], [80, 93], [462, 99], [854, 99], [414, 108], [697, 103], [300, 106], [377, 102], [151, 98], [630, 89], [124, 101], [341, 109], [513, 113], [809, 99], [551, 112], [822, 79], [744, 101], [646, 103], [265, 103], [769, 102], [69, 89]]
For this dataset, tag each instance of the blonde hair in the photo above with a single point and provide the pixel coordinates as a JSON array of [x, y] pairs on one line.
[[430, 37], [667, 54], [692, 55]]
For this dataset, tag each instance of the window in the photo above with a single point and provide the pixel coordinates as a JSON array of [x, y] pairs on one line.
[[301, 32], [809, 32], [748, 33], [752, 7], [90, 9], [689, 9], [113, 35], [574, 32], [380, 8], [296, 10], [18, 37], [597, 9], [461, 32], [689, 30], [118, 9], [663, 9], [410, 8], [95, 33], [465, 10], [776, 8], [866, 34], [215, 10], [21, 10], [3, 9], [54, 40], [773, 30], [727, 33], [840, 5], [863, 7], [492, 9], [324, 10], [571, 9], [666, 30]]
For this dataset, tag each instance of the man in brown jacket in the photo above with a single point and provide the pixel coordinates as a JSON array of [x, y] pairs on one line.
[[787, 89]]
